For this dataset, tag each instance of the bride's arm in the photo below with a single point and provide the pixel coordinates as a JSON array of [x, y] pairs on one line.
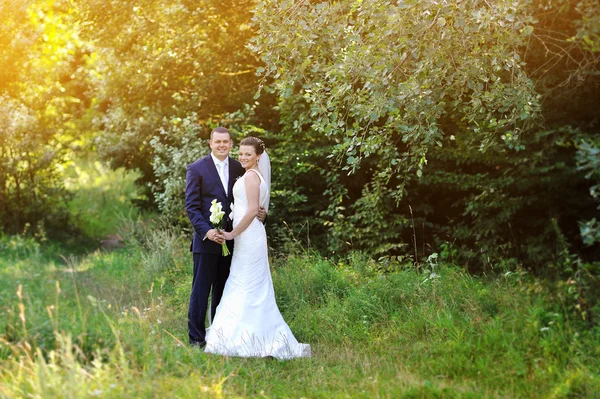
[[252, 193]]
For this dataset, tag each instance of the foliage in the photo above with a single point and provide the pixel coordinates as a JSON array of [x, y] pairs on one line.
[[380, 77], [44, 97], [177, 146], [161, 62], [394, 128], [588, 160], [18, 247], [435, 107], [31, 195], [501, 204], [371, 78], [300, 170], [101, 196]]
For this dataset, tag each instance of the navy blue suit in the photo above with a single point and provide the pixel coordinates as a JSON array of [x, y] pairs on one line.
[[211, 269]]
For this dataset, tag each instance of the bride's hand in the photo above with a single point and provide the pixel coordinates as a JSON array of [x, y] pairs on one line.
[[228, 235]]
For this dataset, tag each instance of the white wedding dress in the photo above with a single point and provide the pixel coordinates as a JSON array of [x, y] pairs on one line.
[[247, 322]]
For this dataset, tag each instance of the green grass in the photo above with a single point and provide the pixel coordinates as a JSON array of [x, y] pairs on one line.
[[102, 196], [113, 325]]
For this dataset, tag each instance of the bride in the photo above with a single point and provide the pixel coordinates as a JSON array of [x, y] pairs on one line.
[[247, 322]]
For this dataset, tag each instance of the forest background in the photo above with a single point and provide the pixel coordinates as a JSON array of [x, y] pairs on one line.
[[466, 130]]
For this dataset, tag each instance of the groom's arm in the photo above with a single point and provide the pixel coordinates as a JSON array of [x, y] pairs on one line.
[[193, 202]]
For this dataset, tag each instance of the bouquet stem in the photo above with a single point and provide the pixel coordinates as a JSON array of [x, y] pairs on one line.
[[224, 248], [225, 251]]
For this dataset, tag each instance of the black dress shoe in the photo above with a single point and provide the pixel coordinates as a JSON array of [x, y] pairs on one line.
[[197, 344]]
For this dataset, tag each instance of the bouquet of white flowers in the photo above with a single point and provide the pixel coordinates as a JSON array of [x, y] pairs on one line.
[[216, 218]]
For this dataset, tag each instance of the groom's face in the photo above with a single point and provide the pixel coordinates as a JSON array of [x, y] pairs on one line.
[[220, 145]]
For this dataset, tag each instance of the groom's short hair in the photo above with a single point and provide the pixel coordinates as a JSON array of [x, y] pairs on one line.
[[220, 129]]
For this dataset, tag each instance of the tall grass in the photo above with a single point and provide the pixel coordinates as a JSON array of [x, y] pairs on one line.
[[113, 325]]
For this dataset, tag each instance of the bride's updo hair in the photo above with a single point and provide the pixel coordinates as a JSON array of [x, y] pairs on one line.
[[258, 144]]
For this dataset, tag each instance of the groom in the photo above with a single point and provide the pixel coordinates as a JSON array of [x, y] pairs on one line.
[[209, 178]]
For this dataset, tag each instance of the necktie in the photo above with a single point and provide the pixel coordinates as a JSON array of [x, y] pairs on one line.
[[223, 175]]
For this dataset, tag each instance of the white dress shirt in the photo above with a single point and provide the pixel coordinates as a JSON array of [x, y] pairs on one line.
[[223, 170]]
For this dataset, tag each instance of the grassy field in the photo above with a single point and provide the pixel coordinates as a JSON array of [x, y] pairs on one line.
[[113, 325]]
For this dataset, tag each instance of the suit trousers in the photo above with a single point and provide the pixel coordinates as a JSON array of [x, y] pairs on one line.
[[210, 274]]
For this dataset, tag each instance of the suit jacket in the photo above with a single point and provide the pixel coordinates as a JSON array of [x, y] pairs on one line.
[[202, 185]]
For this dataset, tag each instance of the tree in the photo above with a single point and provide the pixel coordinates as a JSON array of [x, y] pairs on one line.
[[380, 77], [445, 106], [163, 61], [44, 94]]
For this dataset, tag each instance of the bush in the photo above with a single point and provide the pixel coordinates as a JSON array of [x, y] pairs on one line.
[[180, 143]]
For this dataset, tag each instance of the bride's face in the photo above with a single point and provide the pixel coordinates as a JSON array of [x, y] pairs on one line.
[[248, 156]]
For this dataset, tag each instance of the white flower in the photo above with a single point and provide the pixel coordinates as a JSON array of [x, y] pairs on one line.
[[216, 212], [213, 207], [215, 218]]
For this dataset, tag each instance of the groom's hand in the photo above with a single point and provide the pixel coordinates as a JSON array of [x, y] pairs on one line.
[[215, 236], [262, 214]]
